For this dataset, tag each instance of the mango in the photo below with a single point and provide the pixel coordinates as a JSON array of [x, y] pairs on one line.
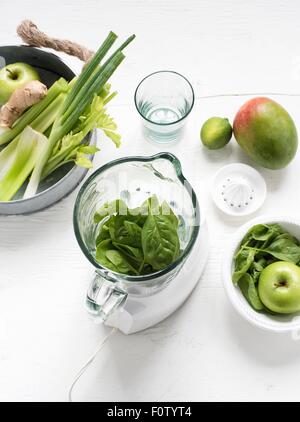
[[266, 132]]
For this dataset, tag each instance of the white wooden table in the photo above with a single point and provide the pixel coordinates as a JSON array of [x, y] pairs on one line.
[[205, 351]]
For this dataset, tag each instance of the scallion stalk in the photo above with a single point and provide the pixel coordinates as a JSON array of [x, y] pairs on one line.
[[89, 69]]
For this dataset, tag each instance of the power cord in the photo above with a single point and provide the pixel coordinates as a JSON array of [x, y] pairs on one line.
[[89, 362]]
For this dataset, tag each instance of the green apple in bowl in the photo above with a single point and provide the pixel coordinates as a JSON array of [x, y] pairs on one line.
[[279, 287], [15, 76]]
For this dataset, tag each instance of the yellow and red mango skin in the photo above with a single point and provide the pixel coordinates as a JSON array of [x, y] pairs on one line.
[[266, 132]]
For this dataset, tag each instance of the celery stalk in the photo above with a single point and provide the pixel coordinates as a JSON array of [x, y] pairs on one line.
[[7, 156], [29, 148], [40, 124]]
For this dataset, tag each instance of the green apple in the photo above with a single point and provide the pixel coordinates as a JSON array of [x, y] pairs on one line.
[[14, 76], [279, 287]]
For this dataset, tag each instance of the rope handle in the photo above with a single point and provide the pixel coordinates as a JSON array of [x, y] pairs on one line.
[[31, 35]]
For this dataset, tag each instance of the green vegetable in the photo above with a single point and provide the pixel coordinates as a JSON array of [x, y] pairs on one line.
[[243, 261], [102, 248], [80, 96], [72, 148], [261, 246], [247, 285], [28, 151], [284, 248], [135, 254], [113, 259], [143, 239], [66, 115], [160, 241]]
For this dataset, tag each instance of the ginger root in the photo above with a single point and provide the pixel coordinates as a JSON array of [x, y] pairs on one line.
[[22, 98]]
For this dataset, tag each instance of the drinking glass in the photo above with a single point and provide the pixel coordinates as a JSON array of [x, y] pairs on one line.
[[164, 99]]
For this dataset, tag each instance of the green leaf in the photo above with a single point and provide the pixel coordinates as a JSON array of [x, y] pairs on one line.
[[160, 241], [120, 262], [284, 248], [124, 231], [83, 161], [112, 259], [243, 260], [88, 149], [101, 257], [103, 234], [135, 254], [261, 234], [249, 290], [113, 136]]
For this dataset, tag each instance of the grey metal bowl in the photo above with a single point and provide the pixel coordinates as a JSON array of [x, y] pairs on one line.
[[63, 181]]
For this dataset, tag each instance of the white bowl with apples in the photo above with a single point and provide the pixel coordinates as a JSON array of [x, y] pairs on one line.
[[277, 322]]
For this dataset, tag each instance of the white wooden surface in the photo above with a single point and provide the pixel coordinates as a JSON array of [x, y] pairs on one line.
[[205, 351]]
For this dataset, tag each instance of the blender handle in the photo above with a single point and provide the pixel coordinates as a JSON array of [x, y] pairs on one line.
[[103, 298]]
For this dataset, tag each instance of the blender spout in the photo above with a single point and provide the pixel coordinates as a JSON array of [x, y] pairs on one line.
[[172, 159]]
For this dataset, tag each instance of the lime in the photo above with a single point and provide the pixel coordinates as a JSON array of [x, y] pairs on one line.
[[216, 132]]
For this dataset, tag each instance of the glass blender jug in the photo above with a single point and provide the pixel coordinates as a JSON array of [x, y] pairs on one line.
[[133, 303]]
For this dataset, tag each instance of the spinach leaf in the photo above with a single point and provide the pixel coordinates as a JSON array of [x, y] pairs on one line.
[[160, 241], [120, 262], [261, 235], [250, 291], [243, 260], [284, 248], [113, 259], [261, 232], [126, 232], [101, 257], [135, 254], [103, 234], [134, 232]]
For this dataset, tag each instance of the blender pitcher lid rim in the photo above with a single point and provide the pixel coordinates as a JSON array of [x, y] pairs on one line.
[[177, 165]]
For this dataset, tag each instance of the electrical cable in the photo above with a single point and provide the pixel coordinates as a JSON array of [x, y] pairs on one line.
[[89, 362]]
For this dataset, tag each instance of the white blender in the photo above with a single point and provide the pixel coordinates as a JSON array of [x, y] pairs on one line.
[[134, 303]]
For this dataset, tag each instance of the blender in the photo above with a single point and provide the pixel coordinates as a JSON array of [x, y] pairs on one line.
[[134, 303]]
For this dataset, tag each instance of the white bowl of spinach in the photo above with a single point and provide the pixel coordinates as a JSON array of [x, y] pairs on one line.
[[273, 239]]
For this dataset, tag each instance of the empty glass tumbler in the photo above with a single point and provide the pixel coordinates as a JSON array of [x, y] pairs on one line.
[[164, 99]]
